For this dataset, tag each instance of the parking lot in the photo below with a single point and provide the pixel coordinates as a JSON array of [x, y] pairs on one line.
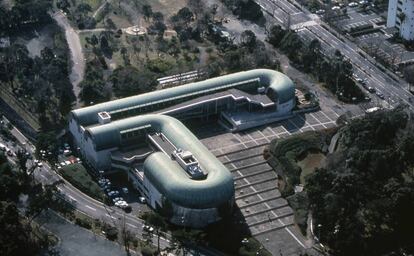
[[264, 211], [377, 41]]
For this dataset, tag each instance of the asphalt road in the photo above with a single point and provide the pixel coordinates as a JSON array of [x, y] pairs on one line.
[[74, 240], [89, 206], [309, 26], [78, 58]]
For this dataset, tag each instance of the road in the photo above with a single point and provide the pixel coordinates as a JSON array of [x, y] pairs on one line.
[[74, 240], [309, 27], [87, 205], [77, 56]]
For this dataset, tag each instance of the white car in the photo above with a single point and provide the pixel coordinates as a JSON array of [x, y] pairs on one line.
[[353, 4], [62, 163], [320, 12], [142, 200], [149, 228], [336, 8], [39, 164], [67, 162], [116, 199], [121, 204]]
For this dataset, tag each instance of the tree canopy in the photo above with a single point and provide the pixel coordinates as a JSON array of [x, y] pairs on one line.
[[363, 200], [128, 81]]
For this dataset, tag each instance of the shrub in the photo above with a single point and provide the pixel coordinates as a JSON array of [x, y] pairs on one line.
[[83, 223], [148, 251], [77, 175]]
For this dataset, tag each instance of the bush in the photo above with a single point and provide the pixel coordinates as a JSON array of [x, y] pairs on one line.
[[285, 152], [110, 232], [300, 204], [83, 223], [77, 175], [148, 251], [159, 65]]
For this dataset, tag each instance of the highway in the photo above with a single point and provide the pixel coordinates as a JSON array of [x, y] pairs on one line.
[[310, 26]]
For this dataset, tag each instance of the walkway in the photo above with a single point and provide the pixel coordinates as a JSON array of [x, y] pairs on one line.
[[77, 56]]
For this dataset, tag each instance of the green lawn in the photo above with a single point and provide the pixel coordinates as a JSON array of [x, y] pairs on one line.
[[77, 175]]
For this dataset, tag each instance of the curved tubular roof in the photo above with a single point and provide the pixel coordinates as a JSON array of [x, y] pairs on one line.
[[277, 81], [165, 174]]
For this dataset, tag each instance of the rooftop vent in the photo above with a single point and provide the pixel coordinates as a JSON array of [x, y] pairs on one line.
[[104, 117]]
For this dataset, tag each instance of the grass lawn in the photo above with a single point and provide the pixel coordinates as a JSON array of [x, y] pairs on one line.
[[309, 163], [93, 3], [77, 175]]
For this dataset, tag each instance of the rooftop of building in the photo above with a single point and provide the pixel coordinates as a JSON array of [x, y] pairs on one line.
[[165, 173], [270, 79]]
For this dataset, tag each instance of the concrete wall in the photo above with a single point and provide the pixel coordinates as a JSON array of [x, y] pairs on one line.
[[392, 13], [196, 218], [407, 26]]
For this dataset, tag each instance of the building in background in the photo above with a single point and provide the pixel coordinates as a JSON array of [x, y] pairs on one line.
[[401, 16]]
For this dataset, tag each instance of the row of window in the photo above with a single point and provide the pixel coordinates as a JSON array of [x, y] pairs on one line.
[[168, 103]]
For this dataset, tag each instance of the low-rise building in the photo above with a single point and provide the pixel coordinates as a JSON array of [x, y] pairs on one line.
[[143, 136]]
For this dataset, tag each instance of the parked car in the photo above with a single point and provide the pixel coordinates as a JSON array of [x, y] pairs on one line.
[[380, 95], [117, 199], [371, 89], [122, 204], [320, 12], [113, 193], [353, 4], [142, 200], [148, 228], [125, 190]]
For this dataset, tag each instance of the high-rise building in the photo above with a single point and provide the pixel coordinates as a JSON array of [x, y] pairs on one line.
[[401, 16]]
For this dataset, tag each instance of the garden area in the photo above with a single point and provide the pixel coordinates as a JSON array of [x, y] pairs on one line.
[[78, 176], [294, 158]]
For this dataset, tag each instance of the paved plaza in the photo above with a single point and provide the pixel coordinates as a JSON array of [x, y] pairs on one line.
[[265, 212]]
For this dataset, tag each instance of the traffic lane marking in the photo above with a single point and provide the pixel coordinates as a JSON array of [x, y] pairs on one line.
[[90, 207]]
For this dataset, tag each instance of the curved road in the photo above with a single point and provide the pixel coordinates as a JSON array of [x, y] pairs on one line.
[[89, 206], [78, 59]]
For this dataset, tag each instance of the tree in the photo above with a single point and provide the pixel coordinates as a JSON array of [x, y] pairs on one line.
[[364, 196], [250, 10], [276, 35], [128, 81], [93, 85], [291, 44], [409, 74], [159, 224], [185, 15], [147, 11], [248, 39], [197, 7]]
